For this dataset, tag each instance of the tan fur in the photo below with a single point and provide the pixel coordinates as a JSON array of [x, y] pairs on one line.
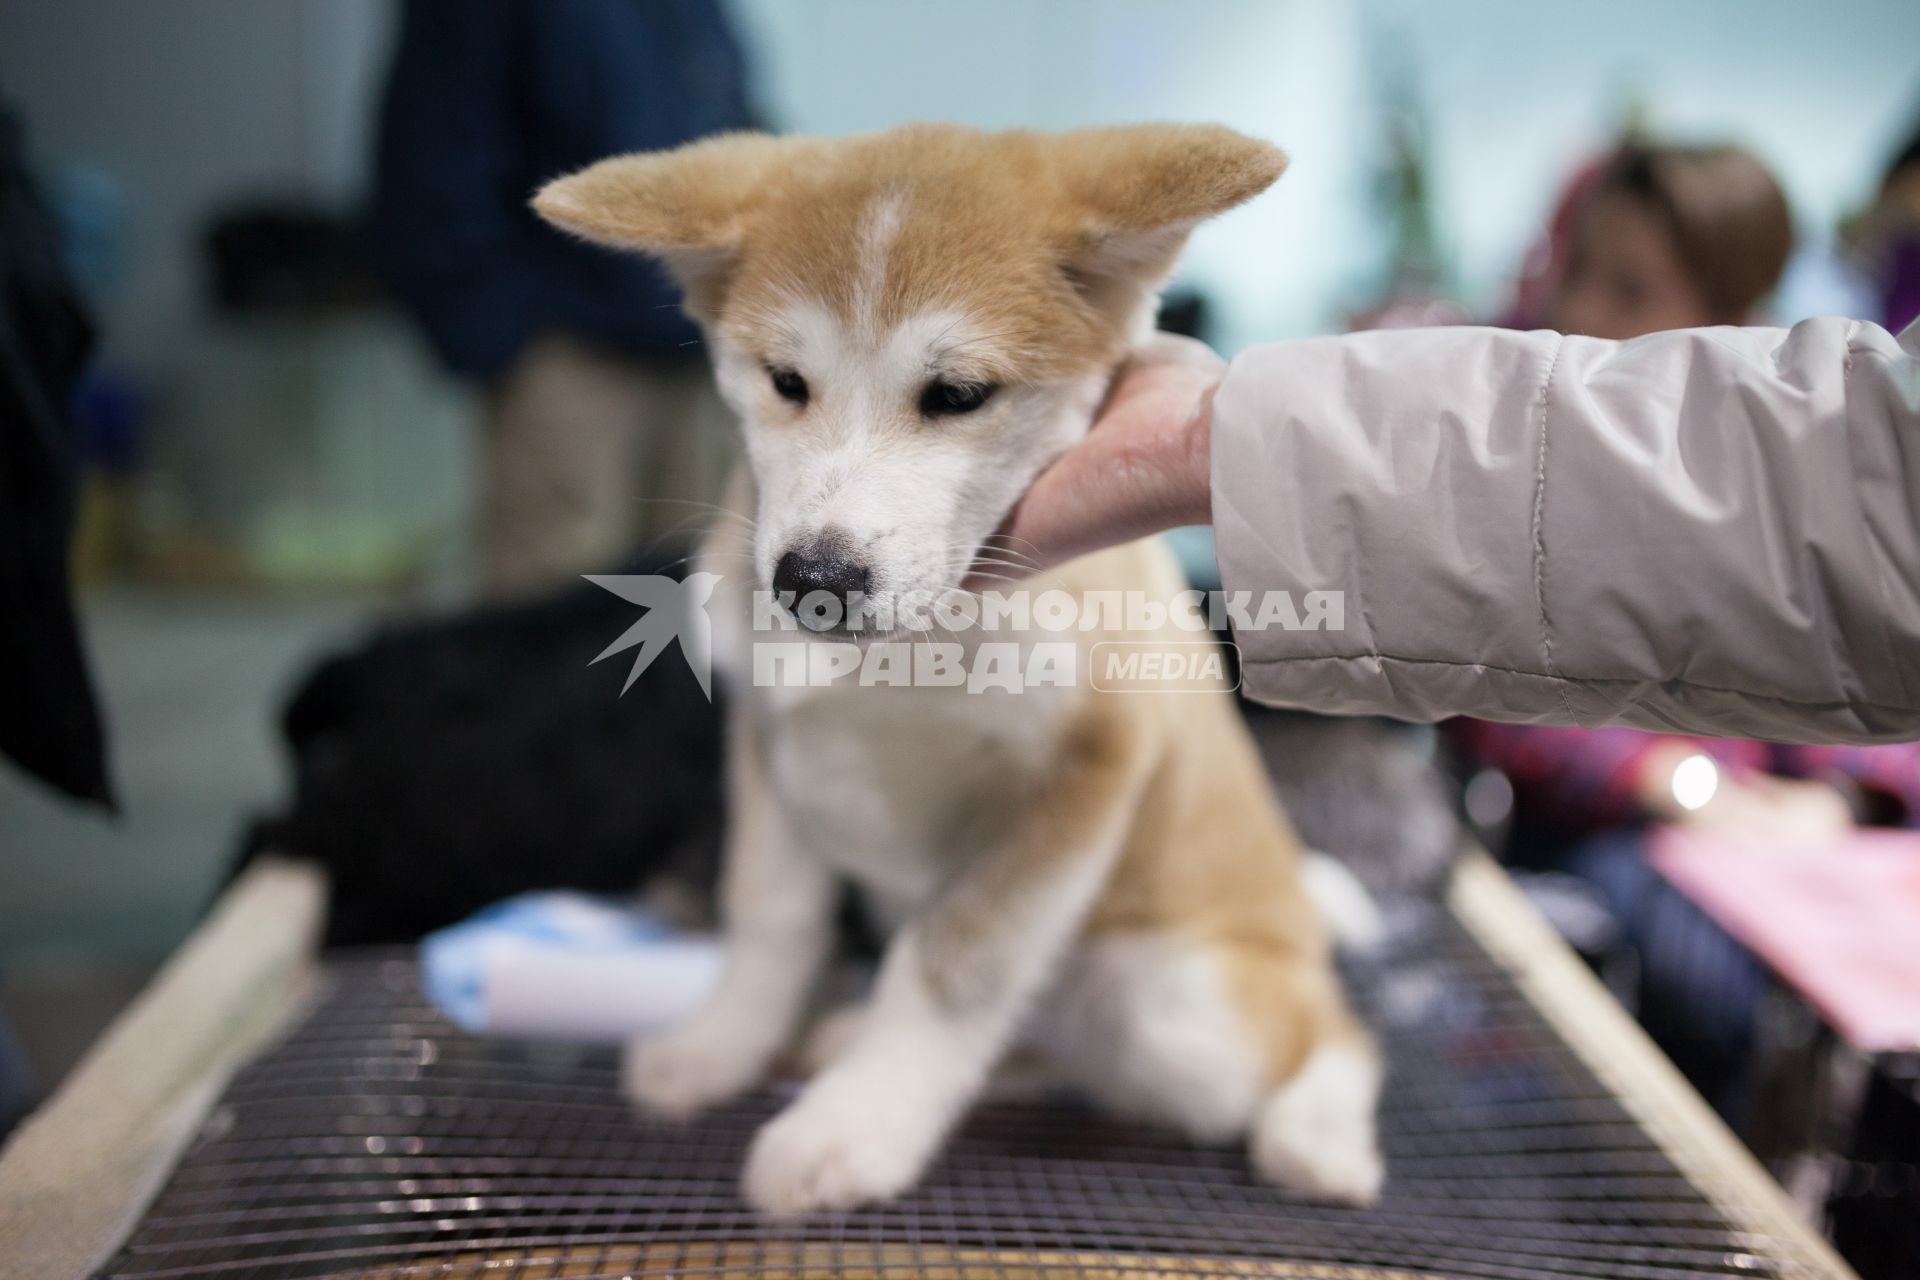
[[750, 221], [1210, 855], [1094, 783]]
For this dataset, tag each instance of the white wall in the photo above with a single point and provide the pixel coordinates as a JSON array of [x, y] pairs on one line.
[[328, 451], [1516, 90], [186, 103], [1822, 91]]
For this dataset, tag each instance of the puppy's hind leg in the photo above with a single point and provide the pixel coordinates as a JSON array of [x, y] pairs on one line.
[[1174, 1031], [1143, 1021], [1315, 1133]]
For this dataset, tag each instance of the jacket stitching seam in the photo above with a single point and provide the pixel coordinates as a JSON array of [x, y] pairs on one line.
[[1876, 561], [1539, 527], [1560, 682]]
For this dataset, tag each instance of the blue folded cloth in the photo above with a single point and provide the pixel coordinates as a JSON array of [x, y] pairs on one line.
[[569, 966]]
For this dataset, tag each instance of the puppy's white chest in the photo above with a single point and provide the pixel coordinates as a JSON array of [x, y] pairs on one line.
[[892, 787]]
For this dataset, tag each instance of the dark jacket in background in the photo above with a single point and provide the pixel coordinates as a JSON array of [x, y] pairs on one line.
[[489, 98], [49, 721]]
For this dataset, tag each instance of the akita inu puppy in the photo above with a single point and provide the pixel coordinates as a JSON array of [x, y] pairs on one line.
[[911, 325]]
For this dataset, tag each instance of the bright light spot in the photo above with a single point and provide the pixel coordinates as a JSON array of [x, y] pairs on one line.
[[1489, 798], [1695, 779]]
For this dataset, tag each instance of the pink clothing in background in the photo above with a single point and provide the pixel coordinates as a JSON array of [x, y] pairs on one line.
[[1587, 777]]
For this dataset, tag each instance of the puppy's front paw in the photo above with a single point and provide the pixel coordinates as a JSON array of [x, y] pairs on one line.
[[827, 1151], [689, 1069]]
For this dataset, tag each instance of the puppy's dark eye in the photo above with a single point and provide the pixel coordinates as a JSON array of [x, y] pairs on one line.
[[950, 399], [791, 386]]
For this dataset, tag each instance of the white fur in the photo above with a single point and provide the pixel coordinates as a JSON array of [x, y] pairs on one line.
[[866, 1128], [869, 781], [1349, 911], [1144, 1024], [1316, 1132], [879, 228], [779, 905]]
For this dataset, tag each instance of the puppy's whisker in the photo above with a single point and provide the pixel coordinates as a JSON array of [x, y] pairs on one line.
[[988, 547], [993, 538], [1024, 567], [714, 508], [679, 561]]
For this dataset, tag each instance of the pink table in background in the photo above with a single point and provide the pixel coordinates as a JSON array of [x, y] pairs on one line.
[[1839, 922]]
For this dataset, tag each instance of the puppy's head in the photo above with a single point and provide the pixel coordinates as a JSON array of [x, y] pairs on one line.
[[911, 324]]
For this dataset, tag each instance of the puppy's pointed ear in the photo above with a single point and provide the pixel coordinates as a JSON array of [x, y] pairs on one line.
[[1141, 189], [688, 207]]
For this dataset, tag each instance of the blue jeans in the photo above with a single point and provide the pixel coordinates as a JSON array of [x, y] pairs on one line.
[[1699, 990]]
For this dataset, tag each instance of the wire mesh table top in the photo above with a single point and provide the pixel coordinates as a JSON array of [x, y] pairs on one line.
[[377, 1140]]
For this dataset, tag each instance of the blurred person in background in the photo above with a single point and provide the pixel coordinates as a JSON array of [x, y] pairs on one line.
[[1657, 238], [1884, 241], [602, 425], [51, 726]]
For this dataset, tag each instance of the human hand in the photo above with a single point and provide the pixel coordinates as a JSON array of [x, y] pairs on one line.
[[1144, 467]]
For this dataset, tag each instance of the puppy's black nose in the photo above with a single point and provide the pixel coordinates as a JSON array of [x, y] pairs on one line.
[[826, 569]]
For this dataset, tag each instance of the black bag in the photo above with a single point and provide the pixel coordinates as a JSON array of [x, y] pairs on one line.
[[449, 764]]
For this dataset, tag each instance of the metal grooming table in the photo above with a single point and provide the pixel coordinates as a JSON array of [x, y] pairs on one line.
[[1530, 1128]]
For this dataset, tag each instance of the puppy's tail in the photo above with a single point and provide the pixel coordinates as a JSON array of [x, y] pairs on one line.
[[1350, 912]]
